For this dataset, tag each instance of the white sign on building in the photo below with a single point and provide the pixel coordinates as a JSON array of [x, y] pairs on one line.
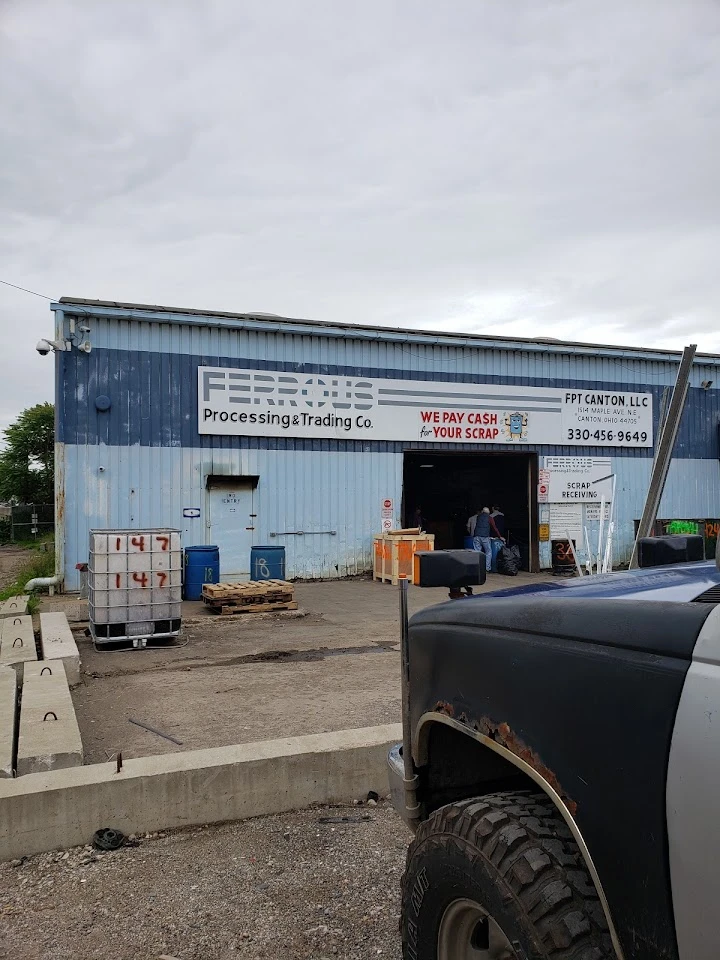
[[566, 521], [592, 512], [245, 402], [579, 479]]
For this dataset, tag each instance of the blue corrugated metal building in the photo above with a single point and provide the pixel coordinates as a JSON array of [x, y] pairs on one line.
[[247, 429]]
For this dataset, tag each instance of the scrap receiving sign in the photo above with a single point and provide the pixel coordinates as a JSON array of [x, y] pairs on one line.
[[247, 402], [579, 479]]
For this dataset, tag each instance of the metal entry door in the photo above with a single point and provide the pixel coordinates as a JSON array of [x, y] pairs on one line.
[[231, 524]]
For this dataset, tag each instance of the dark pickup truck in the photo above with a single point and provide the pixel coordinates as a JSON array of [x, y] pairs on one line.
[[561, 771]]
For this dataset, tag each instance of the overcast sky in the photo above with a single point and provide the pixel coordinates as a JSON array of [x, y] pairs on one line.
[[534, 167]]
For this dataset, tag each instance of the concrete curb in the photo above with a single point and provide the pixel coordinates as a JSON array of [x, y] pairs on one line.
[[63, 808]]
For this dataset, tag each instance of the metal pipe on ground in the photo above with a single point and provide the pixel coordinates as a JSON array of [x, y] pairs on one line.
[[38, 582]]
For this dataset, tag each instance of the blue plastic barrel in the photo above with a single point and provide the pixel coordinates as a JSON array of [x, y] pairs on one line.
[[202, 565], [267, 563], [468, 543]]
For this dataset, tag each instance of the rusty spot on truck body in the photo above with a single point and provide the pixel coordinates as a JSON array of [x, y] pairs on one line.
[[503, 734], [442, 706]]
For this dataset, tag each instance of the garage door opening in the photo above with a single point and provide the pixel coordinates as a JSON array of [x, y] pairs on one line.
[[448, 488]]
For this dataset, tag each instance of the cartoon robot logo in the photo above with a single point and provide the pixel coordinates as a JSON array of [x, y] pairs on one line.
[[516, 426]]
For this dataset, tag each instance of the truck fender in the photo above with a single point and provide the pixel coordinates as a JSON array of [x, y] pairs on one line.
[[420, 751]]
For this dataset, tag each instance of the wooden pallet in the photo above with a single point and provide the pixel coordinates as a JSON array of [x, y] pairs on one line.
[[250, 591], [228, 607]]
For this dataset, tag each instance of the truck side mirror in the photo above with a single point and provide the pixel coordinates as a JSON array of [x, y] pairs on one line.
[[455, 569]]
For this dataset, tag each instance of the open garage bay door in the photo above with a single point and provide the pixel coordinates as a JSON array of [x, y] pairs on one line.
[[448, 488]]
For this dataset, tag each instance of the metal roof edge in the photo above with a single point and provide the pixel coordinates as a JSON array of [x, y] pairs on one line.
[[269, 323]]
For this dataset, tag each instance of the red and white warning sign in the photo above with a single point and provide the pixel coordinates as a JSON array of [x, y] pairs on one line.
[[387, 509], [543, 485], [386, 524]]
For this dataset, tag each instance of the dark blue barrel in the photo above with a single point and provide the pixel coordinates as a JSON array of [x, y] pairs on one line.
[[267, 563], [468, 543], [202, 565]]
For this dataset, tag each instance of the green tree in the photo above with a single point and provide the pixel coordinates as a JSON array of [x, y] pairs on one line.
[[27, 465]]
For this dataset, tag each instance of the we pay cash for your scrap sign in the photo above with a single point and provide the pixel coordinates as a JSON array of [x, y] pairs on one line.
[[247, 402]]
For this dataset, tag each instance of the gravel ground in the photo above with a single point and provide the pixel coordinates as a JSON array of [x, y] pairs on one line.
[[289, 886]]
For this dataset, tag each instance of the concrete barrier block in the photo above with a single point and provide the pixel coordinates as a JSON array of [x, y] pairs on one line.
[[48, 670], [17, 642], [8, 718], [58, 643], [14, 606], [18, 625], [49, 737], [50, 811]]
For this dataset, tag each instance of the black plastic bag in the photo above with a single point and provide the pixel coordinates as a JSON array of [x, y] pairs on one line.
[[508, 561]]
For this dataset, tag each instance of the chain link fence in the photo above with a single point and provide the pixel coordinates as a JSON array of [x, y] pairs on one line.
[[26, 521]]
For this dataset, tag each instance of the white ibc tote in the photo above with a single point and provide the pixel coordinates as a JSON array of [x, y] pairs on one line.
[[135, 584]]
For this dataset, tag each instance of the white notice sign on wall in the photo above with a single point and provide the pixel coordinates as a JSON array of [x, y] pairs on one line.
[[566, 521], [261, 403], [592, 512]]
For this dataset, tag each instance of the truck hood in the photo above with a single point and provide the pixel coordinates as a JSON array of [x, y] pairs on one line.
[[679, 583]]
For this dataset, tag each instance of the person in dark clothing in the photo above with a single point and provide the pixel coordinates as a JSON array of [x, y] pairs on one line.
[[485, 528], [498, 518], [481, 536]]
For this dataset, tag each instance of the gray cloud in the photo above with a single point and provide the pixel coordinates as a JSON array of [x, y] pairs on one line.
[[537, 168]]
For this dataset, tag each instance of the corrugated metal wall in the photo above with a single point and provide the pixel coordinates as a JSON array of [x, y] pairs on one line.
[[150, 486], [143, 462]]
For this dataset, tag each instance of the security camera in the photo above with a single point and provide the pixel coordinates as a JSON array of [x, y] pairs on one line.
[[44, 347]]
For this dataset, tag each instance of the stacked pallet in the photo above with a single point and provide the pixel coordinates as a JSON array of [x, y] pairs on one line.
[[253, 596]]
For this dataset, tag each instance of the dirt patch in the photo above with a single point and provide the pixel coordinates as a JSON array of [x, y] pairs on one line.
[[218, 705], [12, 559], [235, 679], [289, 886]]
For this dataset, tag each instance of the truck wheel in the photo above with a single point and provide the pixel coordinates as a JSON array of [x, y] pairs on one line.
[[500, 878]]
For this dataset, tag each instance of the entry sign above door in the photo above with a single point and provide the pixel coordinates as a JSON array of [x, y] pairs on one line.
[[261, 403]]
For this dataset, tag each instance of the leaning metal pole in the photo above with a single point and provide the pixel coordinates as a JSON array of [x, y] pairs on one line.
[[410, 778], [665, 445]]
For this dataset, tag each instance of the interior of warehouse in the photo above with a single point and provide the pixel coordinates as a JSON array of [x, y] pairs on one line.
[[446, 489]]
